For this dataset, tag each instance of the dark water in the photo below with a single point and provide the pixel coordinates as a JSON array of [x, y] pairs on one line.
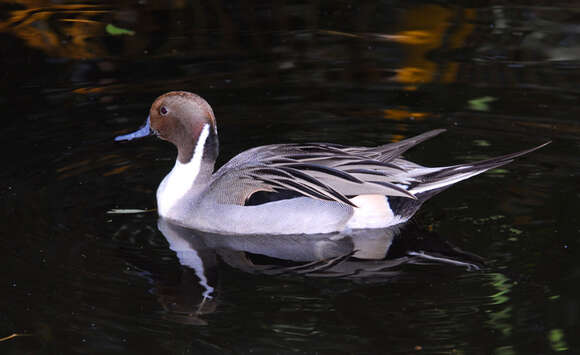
[[500, 76]]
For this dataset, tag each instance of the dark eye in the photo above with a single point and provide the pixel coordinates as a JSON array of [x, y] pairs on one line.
[[163, 110]]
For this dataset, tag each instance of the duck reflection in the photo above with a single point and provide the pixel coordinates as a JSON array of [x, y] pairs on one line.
[[373, 255]]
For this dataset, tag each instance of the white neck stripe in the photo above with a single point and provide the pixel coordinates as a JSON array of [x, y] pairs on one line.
[[180, 179], [198, 152]]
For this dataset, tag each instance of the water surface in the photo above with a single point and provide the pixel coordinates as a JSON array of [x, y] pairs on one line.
[[500, 76]]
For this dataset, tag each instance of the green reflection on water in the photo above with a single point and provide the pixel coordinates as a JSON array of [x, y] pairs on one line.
[[118, 31], [556, 337], [505, 350], [481, 103], [503, 285], [499, 320]]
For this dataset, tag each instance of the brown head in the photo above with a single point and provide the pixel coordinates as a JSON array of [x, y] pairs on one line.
[[180, 117]]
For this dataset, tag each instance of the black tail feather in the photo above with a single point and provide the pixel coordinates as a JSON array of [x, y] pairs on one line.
[[406, 207], [479, 166]]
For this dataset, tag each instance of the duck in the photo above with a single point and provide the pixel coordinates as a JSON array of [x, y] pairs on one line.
[[291, 188]]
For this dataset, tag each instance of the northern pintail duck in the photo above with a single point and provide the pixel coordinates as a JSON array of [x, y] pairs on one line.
[[289, 188]]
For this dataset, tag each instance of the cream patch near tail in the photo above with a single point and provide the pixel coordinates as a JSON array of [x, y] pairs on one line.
[[373, 211]]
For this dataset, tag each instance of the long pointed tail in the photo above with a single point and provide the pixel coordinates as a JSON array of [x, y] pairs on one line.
[[438, 179]]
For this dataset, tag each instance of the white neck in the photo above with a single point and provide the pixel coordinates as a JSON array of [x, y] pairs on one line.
[[181, 178]]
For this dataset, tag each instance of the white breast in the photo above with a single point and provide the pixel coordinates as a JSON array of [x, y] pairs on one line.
[[180, 179]]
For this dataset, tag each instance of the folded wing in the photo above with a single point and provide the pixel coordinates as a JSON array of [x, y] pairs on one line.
[[317, 170]]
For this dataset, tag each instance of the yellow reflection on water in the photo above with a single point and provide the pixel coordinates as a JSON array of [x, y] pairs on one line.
[[60, 30], [424, 29], [70, 30]]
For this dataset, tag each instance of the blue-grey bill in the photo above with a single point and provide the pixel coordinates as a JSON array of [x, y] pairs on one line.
[[141, 132]]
